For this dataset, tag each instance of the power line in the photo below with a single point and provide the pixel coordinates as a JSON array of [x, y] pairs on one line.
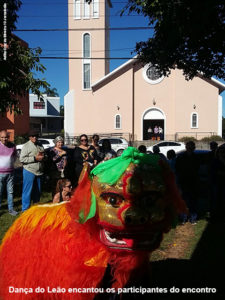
[[91, 58], [71, 52], [70, 3], [87, 29], [73, 16], [76, 50]]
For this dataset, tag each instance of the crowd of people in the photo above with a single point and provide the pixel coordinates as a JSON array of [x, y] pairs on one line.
[[64, 168]]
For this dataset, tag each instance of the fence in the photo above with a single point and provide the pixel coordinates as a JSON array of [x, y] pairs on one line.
[[50, 135], [196, 135], [73, 139]]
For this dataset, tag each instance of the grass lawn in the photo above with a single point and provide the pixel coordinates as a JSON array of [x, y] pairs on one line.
[[180, 242]]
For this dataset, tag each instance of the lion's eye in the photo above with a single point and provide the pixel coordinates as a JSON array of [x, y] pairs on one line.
[[113, 199]]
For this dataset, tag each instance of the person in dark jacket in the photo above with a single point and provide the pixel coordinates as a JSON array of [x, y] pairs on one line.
[[187, 167], [84, 153]]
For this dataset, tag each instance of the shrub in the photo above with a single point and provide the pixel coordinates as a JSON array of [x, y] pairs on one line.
[[212, 138], [20, 139]]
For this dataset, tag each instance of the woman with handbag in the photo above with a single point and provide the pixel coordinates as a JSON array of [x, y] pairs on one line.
[[59, 161]]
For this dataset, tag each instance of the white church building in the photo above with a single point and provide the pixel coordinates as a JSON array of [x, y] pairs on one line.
[[131, 98]]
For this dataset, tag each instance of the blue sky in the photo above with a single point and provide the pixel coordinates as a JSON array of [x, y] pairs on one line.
[[48, 14]]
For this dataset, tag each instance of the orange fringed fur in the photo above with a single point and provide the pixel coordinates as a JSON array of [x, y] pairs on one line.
[[81, 199], [45, 249], [51, 250]]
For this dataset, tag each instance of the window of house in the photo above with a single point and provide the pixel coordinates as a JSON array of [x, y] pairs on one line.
[[77, 9], [86, 61], [87, 76], [95, 6], [86, 10], [194, 120], [39, 105], [86, 45], [118, 122]]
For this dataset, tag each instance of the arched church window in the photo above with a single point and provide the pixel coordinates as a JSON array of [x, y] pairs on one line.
[[86, 61], [118, 122], [194, 120], [86, 45]]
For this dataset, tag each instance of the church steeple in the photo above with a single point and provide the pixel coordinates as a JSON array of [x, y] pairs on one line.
[[88, 42]]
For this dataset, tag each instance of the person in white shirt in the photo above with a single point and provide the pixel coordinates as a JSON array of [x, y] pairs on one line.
[[160, 133]]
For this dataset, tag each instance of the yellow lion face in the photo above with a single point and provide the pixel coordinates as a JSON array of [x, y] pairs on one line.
[[132, 212]]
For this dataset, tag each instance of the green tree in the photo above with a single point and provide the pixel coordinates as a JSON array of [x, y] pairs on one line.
[[51, 92], [61, 110], [17, 75], [188, 35]]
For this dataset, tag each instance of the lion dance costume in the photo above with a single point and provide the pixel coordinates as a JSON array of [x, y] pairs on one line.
[[116, 218]]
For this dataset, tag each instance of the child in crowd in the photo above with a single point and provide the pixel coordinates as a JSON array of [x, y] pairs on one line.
[[63, 191]]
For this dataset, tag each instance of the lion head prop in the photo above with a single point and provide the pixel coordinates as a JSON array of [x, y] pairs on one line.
[[116, 218]]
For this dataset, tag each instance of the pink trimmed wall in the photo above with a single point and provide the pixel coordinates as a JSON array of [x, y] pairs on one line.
[[174, 96], [204, 96], [95, 109]]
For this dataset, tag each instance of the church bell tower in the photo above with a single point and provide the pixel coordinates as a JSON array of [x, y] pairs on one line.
[[88, 23]]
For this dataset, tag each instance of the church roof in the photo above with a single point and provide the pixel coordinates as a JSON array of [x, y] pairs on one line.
[[130, 61], [212, 80]]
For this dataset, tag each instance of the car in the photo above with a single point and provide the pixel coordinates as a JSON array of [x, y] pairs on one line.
[[165, 146], [117, 144], [46, 143]]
